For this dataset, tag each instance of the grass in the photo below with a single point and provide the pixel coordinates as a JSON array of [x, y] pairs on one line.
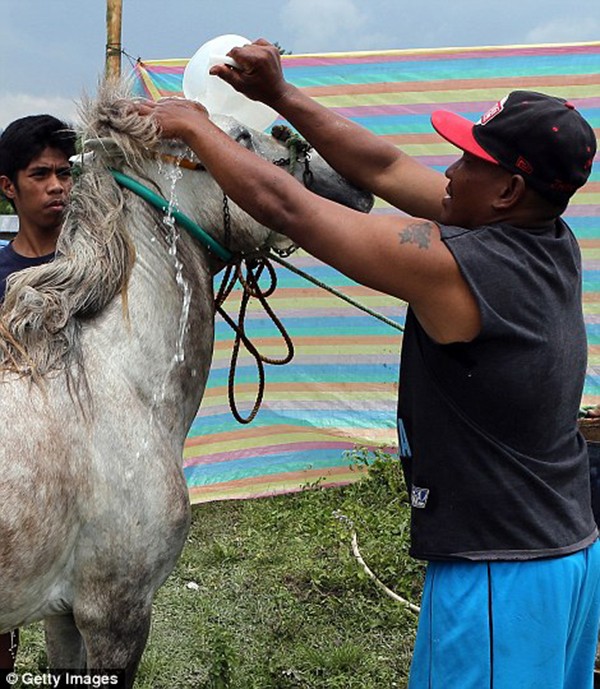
[[268, 595]]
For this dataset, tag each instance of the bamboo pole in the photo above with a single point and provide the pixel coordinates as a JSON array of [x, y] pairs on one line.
[[113, 39]]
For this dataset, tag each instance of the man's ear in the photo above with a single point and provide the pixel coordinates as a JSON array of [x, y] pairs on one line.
[[511, 193], [7, 187]]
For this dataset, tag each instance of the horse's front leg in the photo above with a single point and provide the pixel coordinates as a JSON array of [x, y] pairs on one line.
[[64, 645], [115, 632]]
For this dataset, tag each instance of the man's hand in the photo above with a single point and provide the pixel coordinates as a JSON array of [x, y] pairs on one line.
[[257, 73], [176, 117]]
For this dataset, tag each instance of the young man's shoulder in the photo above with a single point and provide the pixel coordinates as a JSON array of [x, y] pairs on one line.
[[7, 257], [11, 261]]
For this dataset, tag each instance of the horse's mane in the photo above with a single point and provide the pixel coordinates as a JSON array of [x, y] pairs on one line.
[[41, 317]]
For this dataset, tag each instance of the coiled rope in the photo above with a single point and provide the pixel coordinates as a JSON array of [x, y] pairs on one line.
[[250, 288]]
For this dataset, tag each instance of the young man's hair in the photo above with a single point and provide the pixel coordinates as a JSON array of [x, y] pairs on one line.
[[25, 138]]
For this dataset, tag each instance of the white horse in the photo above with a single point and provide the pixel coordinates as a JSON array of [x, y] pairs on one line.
[[104, 355]]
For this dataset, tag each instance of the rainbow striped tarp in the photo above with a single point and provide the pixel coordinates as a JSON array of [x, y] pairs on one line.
[[340, 389]]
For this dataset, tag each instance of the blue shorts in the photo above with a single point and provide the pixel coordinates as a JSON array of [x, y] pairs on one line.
[[509, 625]]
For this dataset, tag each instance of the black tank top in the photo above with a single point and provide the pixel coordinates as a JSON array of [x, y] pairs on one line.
[[495, 465]]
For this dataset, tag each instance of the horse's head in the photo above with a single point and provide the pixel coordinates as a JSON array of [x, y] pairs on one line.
[[283, 149], [287, 150], [124, 140]]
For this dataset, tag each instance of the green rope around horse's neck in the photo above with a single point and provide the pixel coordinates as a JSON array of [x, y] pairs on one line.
[[163, 205], [224, 254]]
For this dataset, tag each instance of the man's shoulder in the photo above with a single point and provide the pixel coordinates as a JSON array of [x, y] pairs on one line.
[[508, 233], [7, 257], [13, 261]]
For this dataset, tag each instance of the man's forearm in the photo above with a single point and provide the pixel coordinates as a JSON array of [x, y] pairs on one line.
[[263, 190]]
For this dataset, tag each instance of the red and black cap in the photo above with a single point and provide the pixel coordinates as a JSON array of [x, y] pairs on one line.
[[540, 137]]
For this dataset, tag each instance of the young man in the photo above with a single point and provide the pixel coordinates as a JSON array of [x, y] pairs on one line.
[[494, 350], [35, 176]]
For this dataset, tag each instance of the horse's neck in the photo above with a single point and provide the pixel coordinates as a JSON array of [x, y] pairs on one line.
[[197, 195], [163, 340], [171, 268]]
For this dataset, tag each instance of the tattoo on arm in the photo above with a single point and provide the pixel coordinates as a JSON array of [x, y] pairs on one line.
[[418, 233]]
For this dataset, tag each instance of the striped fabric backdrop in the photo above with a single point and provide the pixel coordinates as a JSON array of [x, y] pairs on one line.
[[340, 390]]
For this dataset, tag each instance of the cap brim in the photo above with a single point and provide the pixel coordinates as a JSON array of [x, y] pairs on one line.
[[459, 132]]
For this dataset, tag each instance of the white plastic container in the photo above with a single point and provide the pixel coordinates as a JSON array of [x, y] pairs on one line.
[[216, 95]]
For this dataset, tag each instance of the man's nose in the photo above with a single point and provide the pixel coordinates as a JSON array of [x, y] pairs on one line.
[[450, 169], [56, 183]]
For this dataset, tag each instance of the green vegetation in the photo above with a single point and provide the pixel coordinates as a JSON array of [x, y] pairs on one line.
[[268, 595]]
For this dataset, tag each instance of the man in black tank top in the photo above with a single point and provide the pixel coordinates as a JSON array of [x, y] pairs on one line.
[[499, 490]]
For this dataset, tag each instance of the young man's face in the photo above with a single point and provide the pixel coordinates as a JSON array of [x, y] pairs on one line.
[[40, 191]]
